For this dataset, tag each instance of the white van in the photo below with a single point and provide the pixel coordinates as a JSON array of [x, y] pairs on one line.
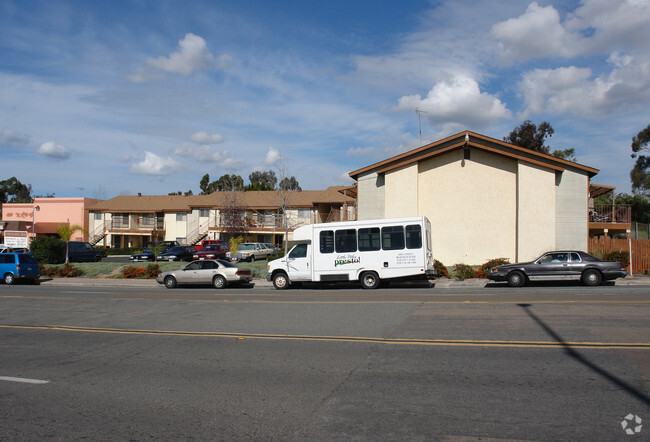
[[364, 251]]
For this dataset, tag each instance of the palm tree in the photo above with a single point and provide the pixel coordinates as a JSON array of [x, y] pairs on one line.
[[66, 231]]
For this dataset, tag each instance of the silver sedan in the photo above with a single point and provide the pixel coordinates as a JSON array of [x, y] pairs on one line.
[[217, 272]]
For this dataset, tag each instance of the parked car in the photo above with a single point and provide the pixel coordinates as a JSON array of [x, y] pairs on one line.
[[273, 248], [217, 272], [164, 245], [178, 253], [250, 251], [209, 242], [18, 267], [559, 265], [212, 251], [81, 251], [145, 255]]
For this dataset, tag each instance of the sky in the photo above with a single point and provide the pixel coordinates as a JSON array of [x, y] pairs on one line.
[[107, 98]]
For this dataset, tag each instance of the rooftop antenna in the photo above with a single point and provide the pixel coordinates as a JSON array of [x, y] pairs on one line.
[[419, 112]]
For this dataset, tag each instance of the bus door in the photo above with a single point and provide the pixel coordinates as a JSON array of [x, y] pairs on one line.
[[299, 263]]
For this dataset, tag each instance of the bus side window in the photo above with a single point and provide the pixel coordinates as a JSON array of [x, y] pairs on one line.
[[392, 238], [369, 239], [346, 241], [413, 237], [327, 241]]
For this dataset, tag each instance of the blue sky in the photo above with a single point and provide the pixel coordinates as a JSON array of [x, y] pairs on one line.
[[100, 99]]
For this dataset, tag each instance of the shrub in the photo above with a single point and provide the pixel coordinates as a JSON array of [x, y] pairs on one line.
[[150, 271], [64, 271], [484, 270], [48, 249], [441, 270], [463, 272], [617, 255]]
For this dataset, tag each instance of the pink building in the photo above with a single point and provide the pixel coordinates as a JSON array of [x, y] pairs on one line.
[[43, 216]]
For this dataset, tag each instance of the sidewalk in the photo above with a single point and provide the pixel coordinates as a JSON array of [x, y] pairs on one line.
[[262, 283]]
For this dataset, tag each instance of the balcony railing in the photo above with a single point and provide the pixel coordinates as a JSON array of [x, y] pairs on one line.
[[611, 214], [138, 223]]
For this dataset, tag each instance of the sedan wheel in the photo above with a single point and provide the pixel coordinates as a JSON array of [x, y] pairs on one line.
[[516, 279], [591, 277], [170, 282], [219, 282]]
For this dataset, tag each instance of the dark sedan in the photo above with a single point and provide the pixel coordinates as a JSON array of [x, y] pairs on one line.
[[146, 255], [178, 253], [558, 266]]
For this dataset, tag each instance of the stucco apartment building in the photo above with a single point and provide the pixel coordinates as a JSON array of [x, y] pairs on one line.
[[133, 220], [485, 198]]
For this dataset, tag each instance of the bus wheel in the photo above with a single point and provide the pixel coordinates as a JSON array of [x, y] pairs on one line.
[[369, 280], [280, 281]]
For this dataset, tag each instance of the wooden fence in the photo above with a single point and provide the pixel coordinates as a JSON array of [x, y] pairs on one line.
[[640, 250]]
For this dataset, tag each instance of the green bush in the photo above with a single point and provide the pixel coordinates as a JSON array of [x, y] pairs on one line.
[[441, 270], [48, 249], [617, 255], [484, 270], [463, 272]]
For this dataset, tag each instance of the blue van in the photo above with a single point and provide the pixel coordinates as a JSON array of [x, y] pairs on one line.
[[18, 266]]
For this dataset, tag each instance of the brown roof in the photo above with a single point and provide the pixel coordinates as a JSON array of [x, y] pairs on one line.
[[253, 200], [478, 141]]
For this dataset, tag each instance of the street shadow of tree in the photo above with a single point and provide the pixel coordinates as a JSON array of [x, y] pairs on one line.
[[631, 390]]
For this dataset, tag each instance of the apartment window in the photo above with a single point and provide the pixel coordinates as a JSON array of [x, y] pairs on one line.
[[97, 216], [304, 213], [147, 220], [181, 217], [121, 220], [204, 213]]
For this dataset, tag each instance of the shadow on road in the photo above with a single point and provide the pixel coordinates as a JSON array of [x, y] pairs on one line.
[[640, 395]]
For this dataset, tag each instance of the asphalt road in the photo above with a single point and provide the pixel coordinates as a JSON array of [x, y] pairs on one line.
[[550, 362]]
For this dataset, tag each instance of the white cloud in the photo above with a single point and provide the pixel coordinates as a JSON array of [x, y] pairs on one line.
[[54, 151], [192, 56], [202, 153], [272, 156], [572, 90], [458, 101], [206, 138], [596, 27], [536, 33], [155, 165], [11, 139], [360, 152]]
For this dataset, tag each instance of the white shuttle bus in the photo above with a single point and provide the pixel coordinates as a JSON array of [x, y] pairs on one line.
[[364, 251]]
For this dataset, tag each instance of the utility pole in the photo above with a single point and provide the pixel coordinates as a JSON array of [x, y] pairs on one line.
[[419, 112]]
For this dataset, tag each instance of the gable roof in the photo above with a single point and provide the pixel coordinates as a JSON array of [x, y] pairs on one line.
[[472, 140], [250, 200]]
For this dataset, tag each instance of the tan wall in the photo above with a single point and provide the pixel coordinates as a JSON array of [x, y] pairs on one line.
[[371, 197], [471, 205], [572, 225], [401, 191], [536, 211]]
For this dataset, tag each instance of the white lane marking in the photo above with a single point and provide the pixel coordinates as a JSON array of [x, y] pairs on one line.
[[24, 380]]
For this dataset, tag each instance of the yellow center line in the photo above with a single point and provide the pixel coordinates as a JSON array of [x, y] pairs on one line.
[[404, 341], [342, 302]]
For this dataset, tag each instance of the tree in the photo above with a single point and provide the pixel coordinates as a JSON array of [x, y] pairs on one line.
[[566, 154], [13, 191], [262, 180], [640, 174], [66, 231], [181, 193], [289, 183], [225, 182], [531, 136]]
